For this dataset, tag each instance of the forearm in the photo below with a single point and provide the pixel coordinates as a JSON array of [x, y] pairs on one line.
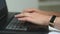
[[57, 20], [50, 13], [57, 23]]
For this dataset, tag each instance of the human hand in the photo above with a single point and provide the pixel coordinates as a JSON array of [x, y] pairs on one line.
[[34, 17]]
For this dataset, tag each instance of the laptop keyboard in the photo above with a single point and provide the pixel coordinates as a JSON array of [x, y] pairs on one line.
[[10, 16], [16, 25]]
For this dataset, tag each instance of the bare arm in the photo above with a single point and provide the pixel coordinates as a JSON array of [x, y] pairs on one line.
[[51, 13], [57, 20], [57, 23]]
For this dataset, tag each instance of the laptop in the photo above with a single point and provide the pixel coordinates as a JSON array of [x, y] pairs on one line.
[[10, 25]]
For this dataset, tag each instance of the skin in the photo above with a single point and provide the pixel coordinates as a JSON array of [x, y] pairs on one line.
[[50, 13], [57, 23], [39, 17]]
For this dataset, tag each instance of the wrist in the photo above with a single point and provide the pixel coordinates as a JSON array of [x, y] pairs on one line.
[[47, 20], [52, 20], [55, 23]]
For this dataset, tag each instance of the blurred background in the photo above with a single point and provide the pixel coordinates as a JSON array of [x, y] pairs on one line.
[[19, 5], [49, 5]]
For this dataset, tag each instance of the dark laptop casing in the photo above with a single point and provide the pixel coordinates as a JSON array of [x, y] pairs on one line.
[[3, 14]]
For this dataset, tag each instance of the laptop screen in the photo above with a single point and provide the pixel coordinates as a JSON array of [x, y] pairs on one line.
[[3, 13], [2, 6]]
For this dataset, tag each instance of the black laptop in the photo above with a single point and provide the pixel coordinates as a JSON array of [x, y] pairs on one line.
[[10, 25]]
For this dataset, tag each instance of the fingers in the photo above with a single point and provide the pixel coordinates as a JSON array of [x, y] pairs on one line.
[[23, 15], [26, 19], [22, 19], [19, 16]]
